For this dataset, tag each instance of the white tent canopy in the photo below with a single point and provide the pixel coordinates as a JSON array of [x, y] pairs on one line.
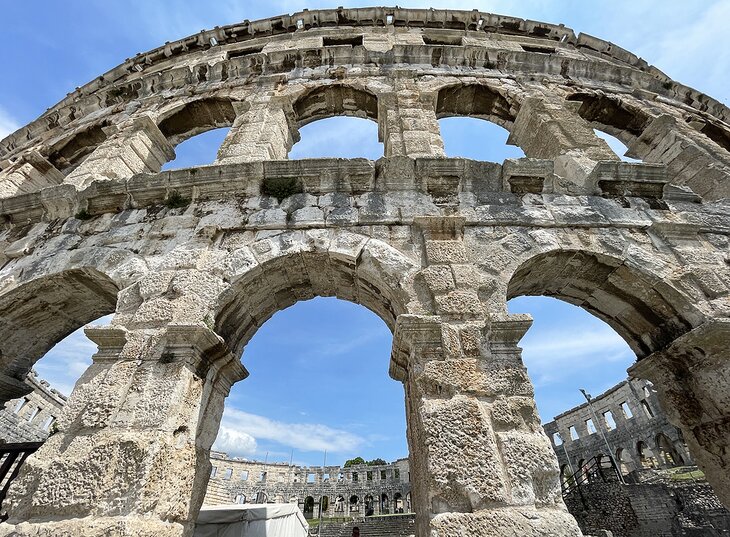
[[252, 520]]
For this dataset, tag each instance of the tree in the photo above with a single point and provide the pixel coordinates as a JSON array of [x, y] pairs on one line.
[[376, 462], [354, 462]]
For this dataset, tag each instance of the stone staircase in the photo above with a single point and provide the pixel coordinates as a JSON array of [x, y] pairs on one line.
[[375, 526]]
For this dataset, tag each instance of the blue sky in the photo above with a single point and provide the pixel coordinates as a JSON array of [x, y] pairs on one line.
[[325, 385]]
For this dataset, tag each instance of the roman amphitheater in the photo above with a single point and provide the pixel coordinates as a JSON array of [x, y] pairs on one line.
[[192, 261]]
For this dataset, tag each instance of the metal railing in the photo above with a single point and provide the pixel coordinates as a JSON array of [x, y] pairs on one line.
[[12, 457], [597, 469]]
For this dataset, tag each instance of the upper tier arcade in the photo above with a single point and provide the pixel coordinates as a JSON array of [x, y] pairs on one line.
[[540, 81]]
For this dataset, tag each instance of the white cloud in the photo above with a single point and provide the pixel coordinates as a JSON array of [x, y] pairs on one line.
[[7, 124], [234, 442], [238, 425]]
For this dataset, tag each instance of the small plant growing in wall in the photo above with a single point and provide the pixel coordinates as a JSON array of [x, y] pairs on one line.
[[175, 200], [281, 187], [83, 214]]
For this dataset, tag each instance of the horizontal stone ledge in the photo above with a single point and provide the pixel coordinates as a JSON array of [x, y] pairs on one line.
[[444, 179]]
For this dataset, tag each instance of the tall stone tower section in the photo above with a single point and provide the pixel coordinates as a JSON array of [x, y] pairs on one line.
[[192, 261]]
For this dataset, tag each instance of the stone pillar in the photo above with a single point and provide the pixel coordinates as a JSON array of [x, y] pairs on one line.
[[692, 379], [136, 147], [479, 456], [408, 124], [131, 455], [552, 130], [262, 130]]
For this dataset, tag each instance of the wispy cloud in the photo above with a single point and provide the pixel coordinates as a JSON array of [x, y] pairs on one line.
[[240, 426], [550, 356]]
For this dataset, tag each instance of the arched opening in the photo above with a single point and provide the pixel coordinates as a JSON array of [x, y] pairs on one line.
[[667, 454], [477, 139], [622, 462], [616, 145], [369, 505], [332, 123], [646, 455], [334, 355], [645, 311], [458, 107], [384, 504], [611, 115], [338, 137], [308, 507], [40, 313], [324, 504], [335, 100], [67, 154], [354, 504], [198, 150], [397, 502], [195, 118]]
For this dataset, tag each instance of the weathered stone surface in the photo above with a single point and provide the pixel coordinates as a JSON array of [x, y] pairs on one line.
[[192, 262]]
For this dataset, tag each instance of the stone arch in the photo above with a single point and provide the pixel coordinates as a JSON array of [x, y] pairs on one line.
[[335, 100], [196, 117], [645, 454], [71, 151], [475, 100], [39, 313], [666, 452], [643, 308], [353, 268], [623, 464], [611, 114]]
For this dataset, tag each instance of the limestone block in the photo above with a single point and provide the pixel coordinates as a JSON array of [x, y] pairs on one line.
[[457, 482], [507, 522], [446, 252], [532, 468]]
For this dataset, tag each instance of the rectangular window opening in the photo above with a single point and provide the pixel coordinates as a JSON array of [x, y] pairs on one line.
[[573, 433], [590, 426], [325, 477], [383, 475], [354, 41], [21, 403], [244, 52], [626, 410], [369, 475], [647, 409], [244, 475], [557, 440], [396, 473], [33, 414], [538, 49], [228, 474], [310, 478], [213, 471], [443, 40], [609, 421]]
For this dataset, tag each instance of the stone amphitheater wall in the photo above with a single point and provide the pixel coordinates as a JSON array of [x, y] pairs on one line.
[[191, 262]]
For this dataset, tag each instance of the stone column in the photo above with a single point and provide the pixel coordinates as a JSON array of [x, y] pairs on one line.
[[408, 124], [131, 455], [692, 379], [263, 130], [548, 129], [136, 147], [479, 456]]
